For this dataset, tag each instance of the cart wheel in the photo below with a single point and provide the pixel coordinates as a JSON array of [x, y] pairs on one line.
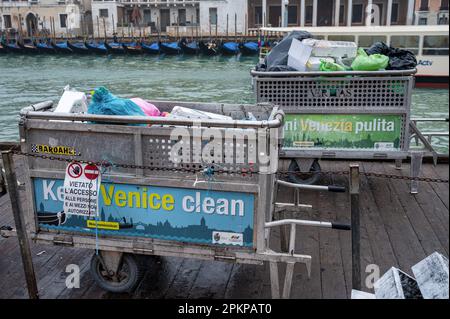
[[295, 176], [126, 279]]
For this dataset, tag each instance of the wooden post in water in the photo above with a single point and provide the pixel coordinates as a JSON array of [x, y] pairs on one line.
[[98, 28], [22, 236], [113, 27], [355, 222], [104, 28], [226, 30]]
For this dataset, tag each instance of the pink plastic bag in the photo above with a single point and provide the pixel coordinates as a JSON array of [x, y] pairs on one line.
[[148, 108]]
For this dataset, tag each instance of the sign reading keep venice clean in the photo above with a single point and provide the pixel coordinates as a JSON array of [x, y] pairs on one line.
[[168, 213]]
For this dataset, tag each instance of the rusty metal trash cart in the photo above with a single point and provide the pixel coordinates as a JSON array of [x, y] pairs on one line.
[[340, 115], [173, 187]]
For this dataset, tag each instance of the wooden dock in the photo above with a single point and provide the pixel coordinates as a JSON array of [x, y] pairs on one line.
[[397, 229]]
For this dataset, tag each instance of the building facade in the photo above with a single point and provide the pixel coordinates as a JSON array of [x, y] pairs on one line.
[[36, 18], [431, 12]]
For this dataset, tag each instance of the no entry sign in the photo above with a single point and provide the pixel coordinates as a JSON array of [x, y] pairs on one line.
[[91, 171], [81, 186]]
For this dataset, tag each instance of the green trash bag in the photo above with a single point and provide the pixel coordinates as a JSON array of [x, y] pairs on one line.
[[374, 62], [330, 66]]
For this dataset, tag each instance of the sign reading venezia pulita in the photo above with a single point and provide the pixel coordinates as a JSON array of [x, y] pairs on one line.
[[374, 125]]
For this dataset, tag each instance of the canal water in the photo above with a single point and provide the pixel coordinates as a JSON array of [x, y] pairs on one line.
[[31, 79]]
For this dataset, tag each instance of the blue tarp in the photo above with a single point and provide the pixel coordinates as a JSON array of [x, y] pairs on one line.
[[231, 47]]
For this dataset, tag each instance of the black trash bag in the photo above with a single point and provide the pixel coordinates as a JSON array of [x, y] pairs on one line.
[[277, 59], [399, 59]]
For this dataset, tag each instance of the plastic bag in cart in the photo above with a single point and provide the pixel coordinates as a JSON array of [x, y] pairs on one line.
[[365, 62], [277, 59], [399, 59], [105, 103]]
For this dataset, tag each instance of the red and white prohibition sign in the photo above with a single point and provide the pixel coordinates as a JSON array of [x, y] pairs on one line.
[[91, 171]]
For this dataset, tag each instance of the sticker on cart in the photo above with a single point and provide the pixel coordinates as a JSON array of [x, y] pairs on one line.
[[227, 238], [384, 146], [55, 150], [81, 187]]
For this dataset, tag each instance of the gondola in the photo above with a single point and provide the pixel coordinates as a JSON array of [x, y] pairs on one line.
[[249, 48], [45, 47], [170, 48], [209, 48], [78, 47], [62, 47], [29, 48], [189, 47], [115, 48], [2, 48], [230, 48], [13, 47], [153, 48], [97, 48], [132, 48]]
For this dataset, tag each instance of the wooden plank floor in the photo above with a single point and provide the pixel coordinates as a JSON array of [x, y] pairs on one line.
[[397, 229]]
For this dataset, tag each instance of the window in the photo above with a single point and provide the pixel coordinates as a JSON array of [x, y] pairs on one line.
[[103, 13], [292, 15], [357, 13], [423, 21], [213, 15], [147, 17], [7, 21], [408, 42], [394, 13], [308, 14], [258, 16], [444, 5], [197, 16], [350, 38], [63, 20], [442, 19], [423, 5], [341, 14], [182, 17], [435, 45], [366, 41]]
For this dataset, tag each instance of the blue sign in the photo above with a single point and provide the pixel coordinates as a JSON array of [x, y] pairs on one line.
[[168, 213]]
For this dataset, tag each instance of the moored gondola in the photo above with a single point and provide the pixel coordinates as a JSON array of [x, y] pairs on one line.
[[97, 48], [152, 48], [230, 48], [132, 48], [2, 48], [45, 47], [62, 47], [209, 48], [170, 48], [249, 48], [28, 48], [189, 47], [13, 47], [115, 47], [78, 47]]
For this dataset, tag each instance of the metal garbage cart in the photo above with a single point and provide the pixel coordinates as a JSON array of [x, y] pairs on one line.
[[341, 115], [217, 205]]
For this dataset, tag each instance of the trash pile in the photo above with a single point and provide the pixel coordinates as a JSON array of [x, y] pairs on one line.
[[298, 51], [431, 282]]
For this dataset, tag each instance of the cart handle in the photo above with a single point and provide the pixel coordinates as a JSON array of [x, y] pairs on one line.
[[275, 123], [302, 222], [255, 73], [329, 188]]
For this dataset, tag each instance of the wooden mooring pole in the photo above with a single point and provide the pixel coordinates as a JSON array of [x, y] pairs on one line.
[[25, 250], [355, 225]]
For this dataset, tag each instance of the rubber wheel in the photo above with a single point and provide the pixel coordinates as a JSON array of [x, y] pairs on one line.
[[128, 277], [295, 176]]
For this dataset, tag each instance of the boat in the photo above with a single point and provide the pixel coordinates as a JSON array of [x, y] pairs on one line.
[[152, 48], [115, 48], [428, 42], [209, 48], [13, 47], [45, 47], [189, 47], [2, 48], [78, 47], [230, 48], [62, 47], [132, 48], [170, 48], [97, 48], [249, 48], [29, 48]]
